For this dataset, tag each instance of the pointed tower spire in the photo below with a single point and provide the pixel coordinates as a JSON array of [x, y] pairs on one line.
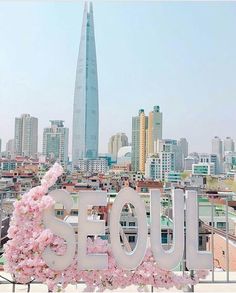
[[85, 111]]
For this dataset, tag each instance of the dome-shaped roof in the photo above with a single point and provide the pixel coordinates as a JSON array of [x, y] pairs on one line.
[[124, 152]]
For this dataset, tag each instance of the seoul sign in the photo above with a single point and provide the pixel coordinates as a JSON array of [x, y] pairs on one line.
[[167, 259], [44, 248]]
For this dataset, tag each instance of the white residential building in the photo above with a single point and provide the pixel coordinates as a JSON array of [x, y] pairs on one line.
[[153, 168], [55, 141], [209, 158], [92, 165], [26, 135], [158, 166]]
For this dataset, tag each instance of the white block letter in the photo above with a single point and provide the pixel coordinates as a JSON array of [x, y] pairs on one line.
[[61, 229], [196, 260], [168, 259], [88, 227], [128, 260]]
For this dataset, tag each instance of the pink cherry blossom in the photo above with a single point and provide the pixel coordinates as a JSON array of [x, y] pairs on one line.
[[29, 238]]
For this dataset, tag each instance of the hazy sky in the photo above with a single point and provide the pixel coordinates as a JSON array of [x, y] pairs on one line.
[[179, 55]]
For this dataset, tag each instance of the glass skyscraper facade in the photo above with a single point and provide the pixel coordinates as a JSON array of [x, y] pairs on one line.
[[85, 111]]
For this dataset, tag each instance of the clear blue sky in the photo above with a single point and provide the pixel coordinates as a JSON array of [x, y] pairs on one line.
[[179, 55]]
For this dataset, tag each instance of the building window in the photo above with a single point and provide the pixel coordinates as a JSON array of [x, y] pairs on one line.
[[164, 239], [221, 225], [132, 224], [59, 213], [200, 241], [144, 189], [131, 239]]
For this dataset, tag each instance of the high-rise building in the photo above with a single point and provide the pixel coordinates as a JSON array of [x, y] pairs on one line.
[[135, 142], [217, 145], [85, 110], [116, 142], [143, 133], [10, 146], [182, 153], [159, 165], [228, 144], [168, 151], [139, 141], [146, 132], [55, 141], [154, 128], [26, 135], [218, 150], [183, 144], [153, 167]]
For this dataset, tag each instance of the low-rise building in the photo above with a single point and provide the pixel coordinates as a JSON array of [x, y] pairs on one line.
[[147, 185], [203, 169], [92, 165], [173, 177]]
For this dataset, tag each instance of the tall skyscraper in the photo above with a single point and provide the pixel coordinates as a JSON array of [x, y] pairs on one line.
[[182, 153], [85, 112], [154, 128], [55, 141], [135, 142], [216, 145], [139, 133], [183, 144], [26, 135], [146, 132], [217, 150], [143, 134], [10, 146], [116, 142], [228, 144]]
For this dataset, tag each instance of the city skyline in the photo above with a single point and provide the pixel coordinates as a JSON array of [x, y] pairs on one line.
[[210, 74]]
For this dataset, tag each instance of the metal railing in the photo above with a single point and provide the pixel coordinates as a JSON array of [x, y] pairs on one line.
[[224, 233]]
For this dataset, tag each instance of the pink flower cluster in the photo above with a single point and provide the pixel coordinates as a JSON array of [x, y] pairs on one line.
[[28, 239]]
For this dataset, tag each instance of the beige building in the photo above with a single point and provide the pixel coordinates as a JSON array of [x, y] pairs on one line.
[[154, 128], [143, 141], [146, 131], [116, 142]]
